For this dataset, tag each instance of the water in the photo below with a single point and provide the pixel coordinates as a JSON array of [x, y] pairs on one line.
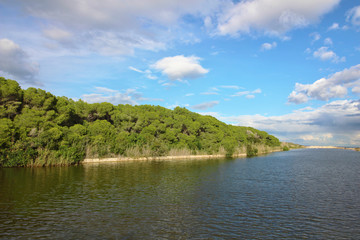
[[297, 194]]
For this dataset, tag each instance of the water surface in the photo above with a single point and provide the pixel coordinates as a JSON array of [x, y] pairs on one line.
[[308, 193]]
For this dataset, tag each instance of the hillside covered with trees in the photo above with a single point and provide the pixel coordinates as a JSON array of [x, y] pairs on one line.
[[38, 129]]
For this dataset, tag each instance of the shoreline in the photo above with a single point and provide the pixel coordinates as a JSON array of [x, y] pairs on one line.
[[332, 147], [193, 157], [184, 157], [164, 158]]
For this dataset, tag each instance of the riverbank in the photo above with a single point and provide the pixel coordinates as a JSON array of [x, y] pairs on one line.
[[122, 159], [332, 147], [165, 158]]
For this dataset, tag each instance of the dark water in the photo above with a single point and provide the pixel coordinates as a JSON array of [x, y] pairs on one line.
[[299, 194]]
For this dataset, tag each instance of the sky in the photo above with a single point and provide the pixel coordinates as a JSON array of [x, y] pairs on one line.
[[291, 68]]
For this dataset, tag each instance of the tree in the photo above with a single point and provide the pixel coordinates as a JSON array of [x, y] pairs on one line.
[[38, 128], [6, 133]]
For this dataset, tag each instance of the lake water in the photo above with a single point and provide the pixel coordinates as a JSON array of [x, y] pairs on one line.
[[299, 194]]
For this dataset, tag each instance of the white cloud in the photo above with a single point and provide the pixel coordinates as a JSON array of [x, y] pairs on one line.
[[130, 96], [148, 74], [177, 105], [325, 54], [118, 98], [231, 87], [335, 123], [180, 67], [91, 13], [315, 36], [356, 89], [151, 77], [167, 84], [14, 61], [318, 137], [307, 50], [298, 98], [247, 94], [110, 43], [212, 91], [135, 69], [60, 35], [205, 105], [209, 93], [208, 22], [106, 90], [327, 88], [268, 46], [189, 94], [272, 16], [353, 16], [113, 27], [257, 91], [328, 41], [242, 93], [213, 114], [334, 26]]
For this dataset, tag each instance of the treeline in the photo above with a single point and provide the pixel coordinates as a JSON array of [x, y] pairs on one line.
[[38, 128]]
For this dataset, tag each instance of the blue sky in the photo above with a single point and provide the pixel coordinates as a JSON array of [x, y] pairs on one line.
[[291, 68]]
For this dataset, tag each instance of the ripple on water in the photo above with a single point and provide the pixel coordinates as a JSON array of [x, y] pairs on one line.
[[297, 194]]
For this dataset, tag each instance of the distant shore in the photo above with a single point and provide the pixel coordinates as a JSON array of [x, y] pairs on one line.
[[333, 147]]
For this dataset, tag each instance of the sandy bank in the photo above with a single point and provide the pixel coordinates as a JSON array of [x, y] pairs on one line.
[[322, 147], [332, 147], [120, 159]]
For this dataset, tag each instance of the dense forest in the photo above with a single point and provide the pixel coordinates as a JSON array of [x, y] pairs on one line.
[[38, 129]]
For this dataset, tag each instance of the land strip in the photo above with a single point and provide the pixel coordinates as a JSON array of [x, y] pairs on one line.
[[332, 147], [121, 159]]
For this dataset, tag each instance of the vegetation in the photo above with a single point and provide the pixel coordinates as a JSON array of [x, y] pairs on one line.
[[38, 129]]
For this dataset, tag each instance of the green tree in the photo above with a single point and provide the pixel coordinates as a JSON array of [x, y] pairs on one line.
[[38, 128]]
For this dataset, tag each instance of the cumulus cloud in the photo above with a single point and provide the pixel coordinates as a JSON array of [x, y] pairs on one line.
[[14, 61], [353, 16], [272, 16], [268, 46], [335, 86], [130, 96], [205, 105], [180, 67], [335, 123], [298, 97], [325, 54]]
